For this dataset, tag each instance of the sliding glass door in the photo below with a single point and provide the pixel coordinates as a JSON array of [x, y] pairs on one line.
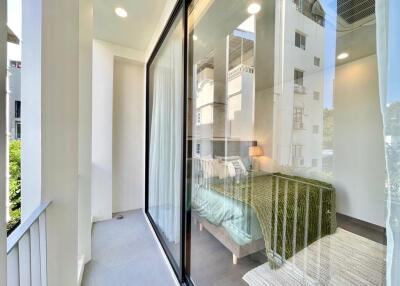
[[164, 140], [293, 136], [273, 147]]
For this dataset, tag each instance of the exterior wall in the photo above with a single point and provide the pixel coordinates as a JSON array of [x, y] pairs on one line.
[[60, 136], [85, 133], [14, 92], [128, 133], [31, 96], [104, 54], [297, 58]]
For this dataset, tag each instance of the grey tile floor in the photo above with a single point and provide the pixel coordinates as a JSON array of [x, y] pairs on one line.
[[124, 252]]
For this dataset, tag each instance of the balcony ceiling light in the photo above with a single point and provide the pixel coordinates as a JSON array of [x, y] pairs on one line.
[[121, 12], [253, 8], [194, 38], [343, 56]]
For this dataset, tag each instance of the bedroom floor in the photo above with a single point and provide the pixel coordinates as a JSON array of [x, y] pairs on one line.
[[211, 262]]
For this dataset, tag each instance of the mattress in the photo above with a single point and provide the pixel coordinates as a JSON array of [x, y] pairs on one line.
[[289, 212], [236, 217]]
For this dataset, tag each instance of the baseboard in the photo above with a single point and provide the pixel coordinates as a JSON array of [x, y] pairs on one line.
[[364, 223], [162, 251]]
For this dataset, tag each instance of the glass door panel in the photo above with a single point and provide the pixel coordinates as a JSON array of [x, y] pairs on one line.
[[165, 119], [286, 165]]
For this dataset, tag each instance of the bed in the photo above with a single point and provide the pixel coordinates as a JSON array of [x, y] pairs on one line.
[[255, 211]]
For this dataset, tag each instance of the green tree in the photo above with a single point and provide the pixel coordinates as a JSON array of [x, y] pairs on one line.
[[15, 184]]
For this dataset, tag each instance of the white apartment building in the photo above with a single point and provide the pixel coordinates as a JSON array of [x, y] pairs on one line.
[[299, 100], [14, 99], [298, 105]]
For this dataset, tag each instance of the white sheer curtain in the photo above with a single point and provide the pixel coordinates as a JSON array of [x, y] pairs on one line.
[[388, 47], [165, 158]]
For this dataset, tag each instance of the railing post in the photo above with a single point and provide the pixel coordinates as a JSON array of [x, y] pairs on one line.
[[43, 249]]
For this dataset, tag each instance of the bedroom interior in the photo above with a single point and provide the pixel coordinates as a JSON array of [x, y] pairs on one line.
[[286, 145]]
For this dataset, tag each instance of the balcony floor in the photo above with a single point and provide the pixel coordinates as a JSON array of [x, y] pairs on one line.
[[124, 252]]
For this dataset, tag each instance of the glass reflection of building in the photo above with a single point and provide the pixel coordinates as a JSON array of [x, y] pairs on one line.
[[237, 112]]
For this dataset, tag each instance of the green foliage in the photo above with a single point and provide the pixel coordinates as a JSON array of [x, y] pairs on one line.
[[15, 183]]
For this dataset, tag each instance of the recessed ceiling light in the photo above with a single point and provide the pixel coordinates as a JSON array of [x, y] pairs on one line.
[[343, 56], [121, 12], [194, 38], [253, 8]]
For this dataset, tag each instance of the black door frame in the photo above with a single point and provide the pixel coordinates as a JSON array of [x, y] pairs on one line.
[[183, 272]]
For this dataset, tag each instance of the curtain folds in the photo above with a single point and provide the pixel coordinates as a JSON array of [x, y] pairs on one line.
[[388, 47], [165, 162]]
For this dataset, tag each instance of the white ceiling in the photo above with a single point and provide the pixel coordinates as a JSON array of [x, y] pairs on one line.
[[134, 31]]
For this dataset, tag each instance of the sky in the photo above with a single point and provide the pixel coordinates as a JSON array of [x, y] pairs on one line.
[[14, 22]]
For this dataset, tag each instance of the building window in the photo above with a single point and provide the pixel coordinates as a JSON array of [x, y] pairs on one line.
[[317, 61], [297, 155], [298, 118], [17, 109], [17, 130], [314, 162], [198, 117], [300, 41], [297, 151], [315, 129], [198, 148], [316, 95], [298, 77]]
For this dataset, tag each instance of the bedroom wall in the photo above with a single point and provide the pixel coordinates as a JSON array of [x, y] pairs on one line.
[[358, 142], [128, 146]]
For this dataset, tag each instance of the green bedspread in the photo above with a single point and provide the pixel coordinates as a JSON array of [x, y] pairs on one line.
[[293, 212]]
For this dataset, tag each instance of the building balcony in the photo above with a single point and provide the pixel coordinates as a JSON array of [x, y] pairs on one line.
[[299, 89], [131, 258], [123, 252], [298, 125], [298, 162], [315, 13]]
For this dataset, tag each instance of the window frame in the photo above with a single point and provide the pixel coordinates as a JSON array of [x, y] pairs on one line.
[[302, 40]]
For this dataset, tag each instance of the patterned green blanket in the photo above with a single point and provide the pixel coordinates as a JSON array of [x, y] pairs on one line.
[[293, 212]]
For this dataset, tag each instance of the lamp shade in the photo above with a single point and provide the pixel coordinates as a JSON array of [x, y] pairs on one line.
[[255, 151]]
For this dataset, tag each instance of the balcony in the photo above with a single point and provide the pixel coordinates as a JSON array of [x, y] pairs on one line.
[[298, 162], [121, 259], [131, 258], [299, 89], [312, 11], [298, 125]]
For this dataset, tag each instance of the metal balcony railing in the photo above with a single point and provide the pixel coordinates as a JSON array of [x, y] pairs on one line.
[[27, 251]]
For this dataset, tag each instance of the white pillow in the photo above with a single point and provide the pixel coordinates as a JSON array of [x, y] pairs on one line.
[[231, 168]]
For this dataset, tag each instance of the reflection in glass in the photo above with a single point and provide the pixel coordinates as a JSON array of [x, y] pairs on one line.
[[287, 171]]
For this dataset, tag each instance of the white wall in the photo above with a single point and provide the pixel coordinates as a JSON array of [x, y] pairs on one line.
[[3, 69], [104, 54], [359, 168], [60, 142], [128, 134], [31, 96], [85, 133], [168, 8]]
